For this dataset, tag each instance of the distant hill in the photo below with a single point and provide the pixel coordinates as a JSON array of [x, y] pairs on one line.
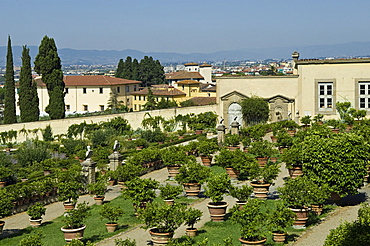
[[111, 57]]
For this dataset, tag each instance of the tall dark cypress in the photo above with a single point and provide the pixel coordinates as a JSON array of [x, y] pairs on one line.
[[48, 65], [119, 69], [28, 98], [9, 99], [135, 69], [127, 68]]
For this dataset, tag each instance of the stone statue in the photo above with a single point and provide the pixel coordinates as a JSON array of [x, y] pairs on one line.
[[222, 120], [116, 146], [89, 153], [235, 118]]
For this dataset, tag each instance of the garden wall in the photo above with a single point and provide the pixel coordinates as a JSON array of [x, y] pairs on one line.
[[134, 119]]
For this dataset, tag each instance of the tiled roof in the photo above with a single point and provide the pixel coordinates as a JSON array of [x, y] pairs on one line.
[[203, 100], [208, 88], [188, 82], [191, 64], [184, 75], [205, 65], [92, 80], [161, 91]]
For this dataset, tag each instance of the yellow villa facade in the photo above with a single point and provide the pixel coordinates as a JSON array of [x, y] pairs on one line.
[[314, 88]]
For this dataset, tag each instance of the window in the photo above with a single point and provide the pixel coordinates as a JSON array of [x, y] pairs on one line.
[[84, 90], [101, 90], [101, 107], [139, 98], [183, 87], [325, 96], [127, 88], [144, 98], [118, 89], [135, 88], [127, 101], [134, 97], [66, 90], [364, 95], [86, 107], [135, 107], [68, 107]]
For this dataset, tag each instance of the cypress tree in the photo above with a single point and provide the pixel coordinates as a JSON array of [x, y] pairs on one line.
[[9, 99], [119, 69], [48, 65], [135, 69], [127, 68], [28, 98]]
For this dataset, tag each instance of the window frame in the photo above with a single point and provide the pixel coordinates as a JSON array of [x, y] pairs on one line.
[[325, 97]]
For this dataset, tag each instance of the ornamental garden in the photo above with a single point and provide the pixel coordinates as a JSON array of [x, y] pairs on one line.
[[327, 160]]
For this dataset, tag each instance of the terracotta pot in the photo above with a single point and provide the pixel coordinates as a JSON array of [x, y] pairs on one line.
[[302, 217], [278, 237], [291, 133], [35, 223], [206, 160], [233, 148], [99, 200], [111, 182], [180, 137], [260, 190], [217, 210], [47, 172], [139, 147], [70, 234], [191, 232], [2, 223], [273, 159], [273, 139], [262, 161], [198, 132], [160, 238], [2, 184], [111, 227], [335, 130], [317, 209], [173, 171], [295, 171], [254, 243], [69, 206], [169, 201], [241, 204], [192, 189], [233, 174]]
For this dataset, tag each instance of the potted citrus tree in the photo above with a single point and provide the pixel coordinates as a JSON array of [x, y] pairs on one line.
[[73, 220], [235, 162], [217, 186], [170, 192], [162, 220], [263, 150], [140, 191], [232, 141], [173, 158], [192, 176], [241, 193], [280, 219], [6, 206], [253, 222], [206, 148], [192, 216], [262, 178], [99, 188], [36, 212], [111, 213]]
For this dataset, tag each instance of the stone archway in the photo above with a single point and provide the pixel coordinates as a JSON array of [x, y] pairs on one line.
[[234, 112]]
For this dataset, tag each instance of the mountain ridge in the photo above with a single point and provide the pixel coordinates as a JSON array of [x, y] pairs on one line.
[[71, 56]]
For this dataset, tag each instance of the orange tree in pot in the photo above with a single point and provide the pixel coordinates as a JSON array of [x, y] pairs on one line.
[[279, 220], [173, 158], [36, 212], [74, 222], [192, 216], [241, 193], [6, 206], [262, 178], [162, 220], [111, 213], [253, 221], [192, 176], [206, 148], [217, 186], [170, 192]]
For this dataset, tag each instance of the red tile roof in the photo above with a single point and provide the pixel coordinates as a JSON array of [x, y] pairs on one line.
[[184, 75], [164, 90], [92, 80], [191, 64], [205, 65], [188, 82]]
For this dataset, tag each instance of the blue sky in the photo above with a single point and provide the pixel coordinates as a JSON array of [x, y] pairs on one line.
[[184, 26]]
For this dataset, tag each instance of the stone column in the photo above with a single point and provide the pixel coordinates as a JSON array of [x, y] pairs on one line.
[[235, 127], [88, 171], [220, 133], [115, 160]]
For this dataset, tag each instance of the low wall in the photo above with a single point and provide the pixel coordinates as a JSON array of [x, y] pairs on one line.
[[134, 119]]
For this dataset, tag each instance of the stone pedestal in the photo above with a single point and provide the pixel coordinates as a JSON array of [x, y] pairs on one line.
[[235, 127], [88, 171], [220, 133], [115, 160]]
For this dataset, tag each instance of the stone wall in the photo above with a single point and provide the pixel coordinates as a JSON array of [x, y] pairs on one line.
[[134, 119]]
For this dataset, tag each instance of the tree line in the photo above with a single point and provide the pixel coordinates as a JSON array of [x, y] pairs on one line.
[[48, 65], [148, 70]]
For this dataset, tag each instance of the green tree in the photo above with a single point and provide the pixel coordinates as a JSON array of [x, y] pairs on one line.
[[255, 110], [9, 99], [48, 65], [119, 69], [28, 98], [135, 69], [127, 68], [163, 103], [151, 104]]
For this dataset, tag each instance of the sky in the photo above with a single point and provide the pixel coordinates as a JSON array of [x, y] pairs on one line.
[[184, 26]]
